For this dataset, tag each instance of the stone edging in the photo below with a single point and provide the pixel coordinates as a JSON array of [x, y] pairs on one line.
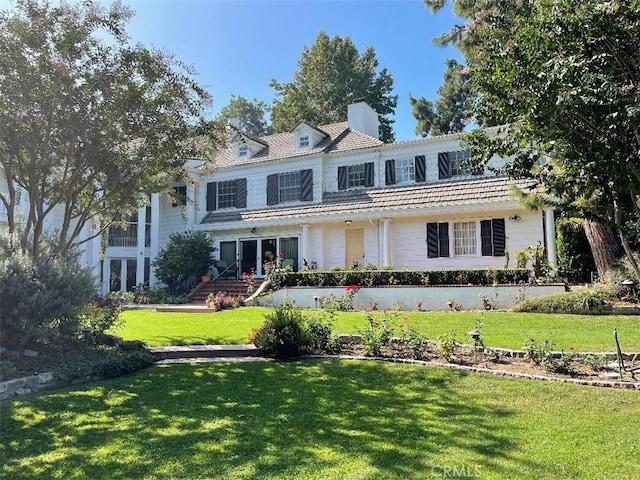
[[501, 373], [17, 387]]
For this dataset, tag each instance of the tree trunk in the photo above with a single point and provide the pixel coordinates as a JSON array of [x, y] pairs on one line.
[[604, 245]]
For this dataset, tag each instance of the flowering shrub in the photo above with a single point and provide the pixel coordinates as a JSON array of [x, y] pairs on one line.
[[343, 303], [447, 344], [413, 342], [378, 332], [250, 281]]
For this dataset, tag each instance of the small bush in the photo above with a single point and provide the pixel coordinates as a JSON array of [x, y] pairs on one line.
[[42, 295], [447, 344], [596, 361], [378, 332], [538, 353], [282, 332], [584, 301], [318, 326], [184, 260], [164, 296]]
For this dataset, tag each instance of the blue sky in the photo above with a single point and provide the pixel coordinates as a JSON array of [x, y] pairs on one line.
[[238, 46]]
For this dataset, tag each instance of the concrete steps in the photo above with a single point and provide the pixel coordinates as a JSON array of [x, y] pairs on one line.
[[233, 288], [225, 352]]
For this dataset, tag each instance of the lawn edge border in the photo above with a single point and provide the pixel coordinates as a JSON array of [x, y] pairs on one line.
[[467, 368]]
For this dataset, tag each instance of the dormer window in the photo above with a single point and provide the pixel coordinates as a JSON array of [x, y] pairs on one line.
[[243, 150], [303, 141]]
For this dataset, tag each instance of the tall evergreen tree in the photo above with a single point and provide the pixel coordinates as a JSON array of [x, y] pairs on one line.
[[252, 115], [452, 111], [332, 75]]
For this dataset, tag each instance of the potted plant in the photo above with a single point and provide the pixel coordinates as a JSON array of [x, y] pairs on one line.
[[210, 302]]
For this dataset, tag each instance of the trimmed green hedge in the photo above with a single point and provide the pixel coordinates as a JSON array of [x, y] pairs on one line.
[[373, 278]]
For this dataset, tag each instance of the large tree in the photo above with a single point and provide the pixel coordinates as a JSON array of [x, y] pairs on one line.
[[452, 111], [564, 77], [89, 124], [251, 114], [332, 74]]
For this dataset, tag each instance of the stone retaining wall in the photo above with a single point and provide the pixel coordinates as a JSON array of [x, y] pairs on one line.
[[430, 298], [25, 385]]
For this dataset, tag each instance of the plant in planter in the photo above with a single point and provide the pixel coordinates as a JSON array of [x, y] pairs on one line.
[[282, 333], [210, 302]]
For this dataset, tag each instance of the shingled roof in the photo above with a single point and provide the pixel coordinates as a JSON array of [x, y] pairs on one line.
[[375, 203], [282, 145]]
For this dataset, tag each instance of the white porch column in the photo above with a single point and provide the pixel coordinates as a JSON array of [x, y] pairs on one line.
[[155, 233], [142, 220], [386, 242], [304, 246], [190, 207], [550, 234]]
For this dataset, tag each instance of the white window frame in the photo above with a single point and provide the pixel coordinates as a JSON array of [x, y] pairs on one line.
[[289, 185], [405, 170], [456, 159], [243, 150], [355, 175], [226, 194], [465, 238], [304, 141]]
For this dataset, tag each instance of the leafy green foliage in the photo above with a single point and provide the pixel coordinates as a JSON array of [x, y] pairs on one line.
[[574, 254], [282, 333], [582, 301], [184, 260], [43, 294], [562, 76], [332, 74], [89, 124], [378, 332], [370, 278], [452, 111], [447, 344], [250, 113], [537, 352]]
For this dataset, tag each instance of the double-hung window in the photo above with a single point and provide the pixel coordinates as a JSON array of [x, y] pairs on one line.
[[405, 171], [355, 176], [227, 194], [289, 186], [456, 164], [464, 238]]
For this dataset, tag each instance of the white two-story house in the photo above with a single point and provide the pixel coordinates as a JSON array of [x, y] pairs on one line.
[[333, 195]]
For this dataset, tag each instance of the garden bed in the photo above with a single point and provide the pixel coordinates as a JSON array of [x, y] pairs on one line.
[[569, 367]]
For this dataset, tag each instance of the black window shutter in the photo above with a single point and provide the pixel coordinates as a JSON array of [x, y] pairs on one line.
[[390, 172], [443, 239], [212, 196], [273, 189], [342, 178], [369, 174], [443, 165], [421, 170], [306, 185], [432, 240], [486, 238], [498, 237], [241, 193]]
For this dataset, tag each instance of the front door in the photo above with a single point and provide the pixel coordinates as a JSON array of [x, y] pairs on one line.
[[355, 247]]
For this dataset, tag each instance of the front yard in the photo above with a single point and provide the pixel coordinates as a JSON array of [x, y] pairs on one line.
[[585, 333], [321, 420]]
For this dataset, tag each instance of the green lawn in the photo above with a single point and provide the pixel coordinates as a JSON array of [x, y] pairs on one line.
[[321, 420], [501, 329]]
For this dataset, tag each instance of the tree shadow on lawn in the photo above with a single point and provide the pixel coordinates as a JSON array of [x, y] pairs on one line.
[[317, 419]]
